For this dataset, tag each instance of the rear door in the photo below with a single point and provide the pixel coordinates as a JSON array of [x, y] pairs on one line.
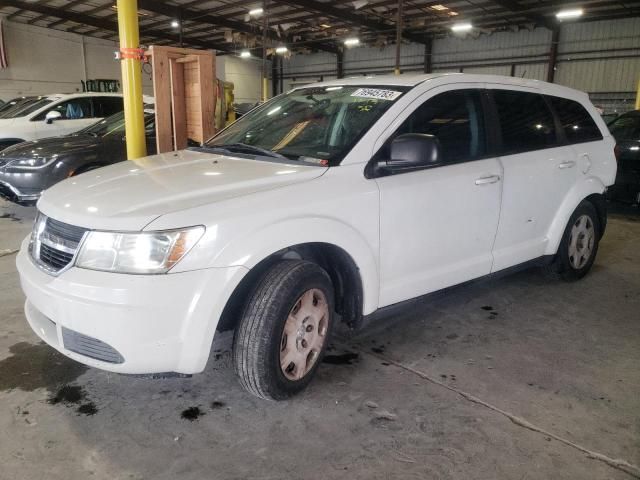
[[539, 170], [437, 225]]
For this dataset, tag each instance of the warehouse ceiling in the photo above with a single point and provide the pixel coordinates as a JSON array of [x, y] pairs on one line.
[[301, 25]]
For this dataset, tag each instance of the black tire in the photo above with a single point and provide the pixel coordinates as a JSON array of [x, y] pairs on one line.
[[258, 339], [563, 265]]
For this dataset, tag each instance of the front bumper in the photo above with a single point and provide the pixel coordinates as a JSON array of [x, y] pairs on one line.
[[156, 323], [15, 194]]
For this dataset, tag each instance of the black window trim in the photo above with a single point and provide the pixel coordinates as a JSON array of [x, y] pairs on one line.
[[489, 131]]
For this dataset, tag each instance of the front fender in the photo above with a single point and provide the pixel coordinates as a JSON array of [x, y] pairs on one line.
[[251, 249], [588, 186]]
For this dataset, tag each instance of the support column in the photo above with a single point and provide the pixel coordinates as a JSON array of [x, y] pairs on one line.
[[131, 79], [398, 37], [638, 97], [274, 76], [265, 26], [553, 54], [428, 50], [340, 63]]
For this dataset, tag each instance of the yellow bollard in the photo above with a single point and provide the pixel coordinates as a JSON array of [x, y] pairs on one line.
[[131, 78]]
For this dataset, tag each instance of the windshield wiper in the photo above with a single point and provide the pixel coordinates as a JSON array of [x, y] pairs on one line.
[[245, 148]]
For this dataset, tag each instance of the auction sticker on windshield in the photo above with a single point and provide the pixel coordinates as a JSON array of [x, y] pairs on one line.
[[376, 93]]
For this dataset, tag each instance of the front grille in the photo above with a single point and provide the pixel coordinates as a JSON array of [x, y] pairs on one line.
[[62, 230], [54, 258], [90, 347], [55, 243]]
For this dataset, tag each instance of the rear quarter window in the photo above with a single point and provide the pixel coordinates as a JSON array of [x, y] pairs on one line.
[[576, 122]]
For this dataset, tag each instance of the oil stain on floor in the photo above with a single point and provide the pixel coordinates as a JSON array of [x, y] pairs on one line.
[[37, 366]]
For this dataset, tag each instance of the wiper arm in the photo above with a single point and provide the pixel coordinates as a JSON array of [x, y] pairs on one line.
[[243, 147]]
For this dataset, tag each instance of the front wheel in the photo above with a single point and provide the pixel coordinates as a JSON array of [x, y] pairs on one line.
[[284, 329], [579, 244]]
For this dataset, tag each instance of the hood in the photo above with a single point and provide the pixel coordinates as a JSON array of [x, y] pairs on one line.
[[48, 147], [131, 194]]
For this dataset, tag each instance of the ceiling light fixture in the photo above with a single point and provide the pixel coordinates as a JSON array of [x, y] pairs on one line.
[[282, 50], [568, 14], [175, 23], [256, 11], [245, 54], [461, 27], [352, 42], [438, 7]]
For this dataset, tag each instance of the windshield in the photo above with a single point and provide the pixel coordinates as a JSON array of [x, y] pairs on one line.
[[24, 107], [626, 127], [310, 124], [10, 104], [114, 125]]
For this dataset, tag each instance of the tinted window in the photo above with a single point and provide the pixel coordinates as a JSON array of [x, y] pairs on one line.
[[626, 127], [74, 109], [577, 123], [525, 120], [455, 118], [107, 106]]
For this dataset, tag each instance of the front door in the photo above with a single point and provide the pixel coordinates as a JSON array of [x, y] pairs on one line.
[[437, 225]]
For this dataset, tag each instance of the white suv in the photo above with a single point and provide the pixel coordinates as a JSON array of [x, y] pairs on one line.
[[32, 118], [325, 204]]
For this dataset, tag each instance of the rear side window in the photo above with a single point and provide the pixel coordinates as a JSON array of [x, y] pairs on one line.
[[107, 106], [578, 125], [456, 119], [525, 121]]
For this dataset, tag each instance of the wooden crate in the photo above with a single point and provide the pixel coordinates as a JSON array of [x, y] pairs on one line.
[[184, 90]]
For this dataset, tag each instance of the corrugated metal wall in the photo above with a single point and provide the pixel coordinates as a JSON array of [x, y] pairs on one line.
[[597, 57]]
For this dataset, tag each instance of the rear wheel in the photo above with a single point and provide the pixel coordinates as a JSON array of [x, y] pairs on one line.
[[284, 330], [579, 244]]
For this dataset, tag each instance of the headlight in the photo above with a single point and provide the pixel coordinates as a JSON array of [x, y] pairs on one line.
[[146, 252], [31, 162]]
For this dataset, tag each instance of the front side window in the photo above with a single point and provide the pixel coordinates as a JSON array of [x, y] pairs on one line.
[[75, 109], [456, 119], [312, 124], [525, 121], [576, 122]]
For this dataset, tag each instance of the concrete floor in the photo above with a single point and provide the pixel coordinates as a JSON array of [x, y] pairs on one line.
[[518, 378]]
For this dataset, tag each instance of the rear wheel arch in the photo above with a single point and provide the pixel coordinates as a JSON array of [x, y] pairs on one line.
[[341, 267]]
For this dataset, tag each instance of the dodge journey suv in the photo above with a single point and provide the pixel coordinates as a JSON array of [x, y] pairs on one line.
[[325, 204]]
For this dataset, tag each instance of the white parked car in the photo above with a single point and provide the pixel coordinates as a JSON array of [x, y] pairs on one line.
[[329, 203], [32, 118]]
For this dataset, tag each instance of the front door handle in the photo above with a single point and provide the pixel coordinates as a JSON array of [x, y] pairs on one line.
[[488, 180], [569, 164]]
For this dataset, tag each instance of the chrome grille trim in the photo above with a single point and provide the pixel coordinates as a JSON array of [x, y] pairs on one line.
[[54, 245]]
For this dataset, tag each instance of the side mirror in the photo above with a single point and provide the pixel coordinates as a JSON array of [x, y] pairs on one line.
[[51, 116], [412, 151]]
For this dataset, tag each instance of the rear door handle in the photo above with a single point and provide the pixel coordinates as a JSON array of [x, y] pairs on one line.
[[488, 180], [569, 164]]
